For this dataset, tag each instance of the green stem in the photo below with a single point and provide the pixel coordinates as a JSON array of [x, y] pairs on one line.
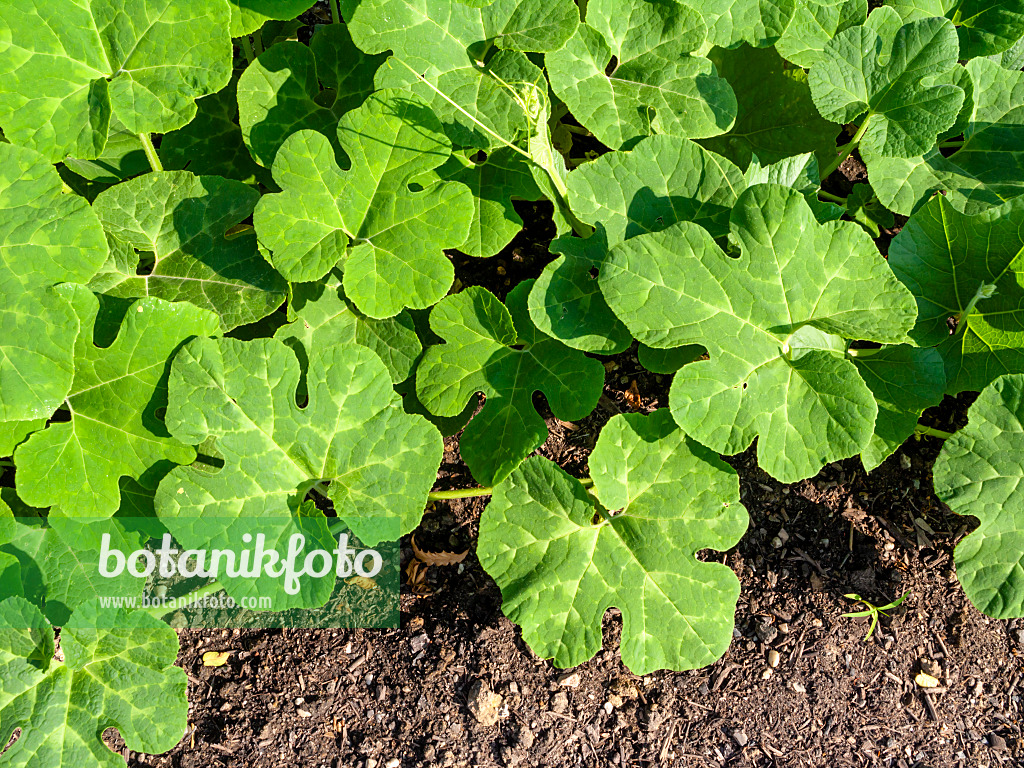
[[250, 55], [846, 149], [6, 463], [831, 197], [950, 143], [257, 39], [469, 493], [985, 291], [335, 12], [921, 429], [150, 150], [159, 611]]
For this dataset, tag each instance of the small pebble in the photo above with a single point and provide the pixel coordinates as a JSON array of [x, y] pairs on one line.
[[740, 738], [608, 707], [773, 658], [798, 687], [569, 680], [996, 741]]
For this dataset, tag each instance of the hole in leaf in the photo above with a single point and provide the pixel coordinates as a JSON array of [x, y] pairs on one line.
[[593, 273], [479, 157], [565, 310], [744, 385], [612, 66], [147, 262], [14, 737], [519, 347]]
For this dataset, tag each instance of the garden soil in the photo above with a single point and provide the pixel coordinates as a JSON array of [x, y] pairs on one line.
[[800, 685]]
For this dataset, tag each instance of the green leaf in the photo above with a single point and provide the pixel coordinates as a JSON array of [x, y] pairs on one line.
[[249, 15], [979, 473], [776, 117], [46, 237], [379, 460], [182, 222], [662, 180], [321, 316], [122, 157], [480, 356], [14, 432], [123, 677], [668, 361], [629, 73], [883, 78], [985, 27], [985, 172], [398, 235], [1012, 58], [946, 259], [559, 571], [494, 182], [459, 48], [758, 22], [814, 23], [212, 145], [865, 209], [54, 555], [68, 69], [905, 380], [114, 429], [280, 93], [566, 302], [801, 173], [772, 320]]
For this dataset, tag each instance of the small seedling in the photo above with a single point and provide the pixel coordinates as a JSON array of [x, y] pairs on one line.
[[873, 611]]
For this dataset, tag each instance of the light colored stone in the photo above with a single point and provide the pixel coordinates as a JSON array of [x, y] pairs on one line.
[[484, 703], [569, 680], [773, 658]]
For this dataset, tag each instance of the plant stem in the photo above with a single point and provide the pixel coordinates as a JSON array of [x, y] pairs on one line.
[[335, 12], [921, 429], [257, 40], [250, 55], [950, 143], [6, 463], [985, 291], [469, 493], [846, 149], [831, 197], [150, 150]]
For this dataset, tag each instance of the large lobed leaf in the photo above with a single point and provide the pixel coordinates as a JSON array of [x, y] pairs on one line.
[[773, 321], [66, 69], [980, 473], [389, 237], [893, 80], [185, 224], [480, 355], [115, 428], [352, 433], [628, 73], [122, 676], [953, 263], [559, 570], [292, 87], [469, 52], [46, 237]]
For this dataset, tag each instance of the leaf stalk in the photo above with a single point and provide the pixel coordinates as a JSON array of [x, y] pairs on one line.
[[250, 54], [847, 149], [921, 429], [150, 150], [335, 12]]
